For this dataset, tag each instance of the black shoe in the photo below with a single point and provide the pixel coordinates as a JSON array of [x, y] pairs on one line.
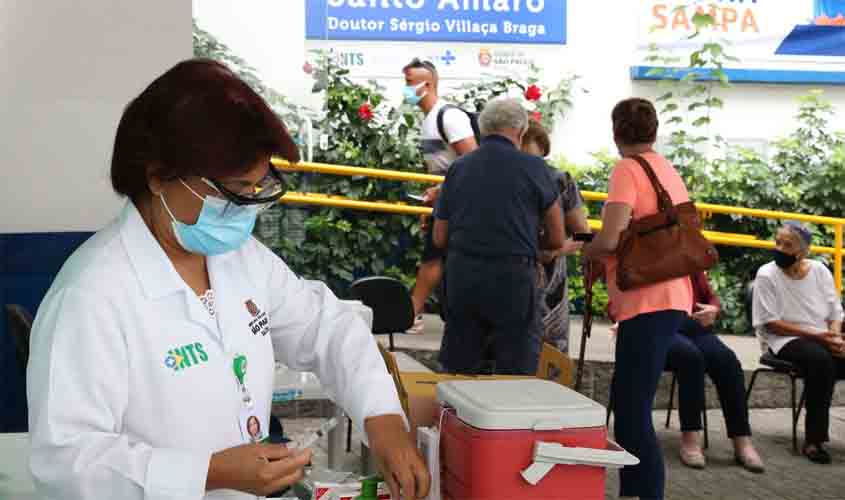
[[817, 455]]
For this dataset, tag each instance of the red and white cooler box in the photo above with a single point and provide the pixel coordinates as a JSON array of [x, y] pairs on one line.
[[523, 439]]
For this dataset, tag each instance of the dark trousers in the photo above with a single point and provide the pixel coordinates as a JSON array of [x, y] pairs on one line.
[[821, 370], [694, 351], [642, 343], [491, 316]]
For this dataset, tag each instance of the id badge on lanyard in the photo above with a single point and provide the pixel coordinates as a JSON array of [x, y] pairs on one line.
[[249, 419]]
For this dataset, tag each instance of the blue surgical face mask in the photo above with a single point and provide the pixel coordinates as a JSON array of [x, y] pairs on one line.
[[410, 94], [221, 227]]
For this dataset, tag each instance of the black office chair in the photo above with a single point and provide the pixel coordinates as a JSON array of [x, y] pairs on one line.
[[393, 312], [668, 409], [769, 363], [19, 325]]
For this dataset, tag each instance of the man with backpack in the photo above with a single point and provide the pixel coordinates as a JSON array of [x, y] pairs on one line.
[[448, 132]]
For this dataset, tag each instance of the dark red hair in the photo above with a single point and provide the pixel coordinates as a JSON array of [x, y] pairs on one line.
[[635, 121], [199, 119]]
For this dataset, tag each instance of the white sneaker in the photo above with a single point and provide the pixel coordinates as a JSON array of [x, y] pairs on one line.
[[419, 326]]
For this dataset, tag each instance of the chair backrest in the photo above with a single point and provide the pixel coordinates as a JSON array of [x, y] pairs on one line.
[[749, 316], [393, 310], [19, 325]]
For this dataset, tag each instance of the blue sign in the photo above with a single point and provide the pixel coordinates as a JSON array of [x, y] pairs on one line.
[[479, 21]]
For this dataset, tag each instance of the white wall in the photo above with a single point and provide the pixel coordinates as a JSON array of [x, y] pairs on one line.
[[69, 68], [603, 57]]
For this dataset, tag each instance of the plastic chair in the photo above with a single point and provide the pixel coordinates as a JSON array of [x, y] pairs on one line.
[[393, 310], [769, 363], [19, 324]]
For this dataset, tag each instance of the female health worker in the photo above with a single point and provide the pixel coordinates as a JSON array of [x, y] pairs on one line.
[[154, 348]]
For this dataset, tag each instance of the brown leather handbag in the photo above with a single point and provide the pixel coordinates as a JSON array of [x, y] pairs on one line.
[[663, 246]]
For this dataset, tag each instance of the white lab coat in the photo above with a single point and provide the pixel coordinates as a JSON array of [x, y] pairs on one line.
[[111, 417]]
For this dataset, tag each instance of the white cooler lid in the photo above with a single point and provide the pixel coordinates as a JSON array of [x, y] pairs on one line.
[[533, 404]]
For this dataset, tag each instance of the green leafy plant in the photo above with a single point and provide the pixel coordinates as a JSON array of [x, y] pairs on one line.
[[362, 129], [688, 98], [207, 45], [546, 104]]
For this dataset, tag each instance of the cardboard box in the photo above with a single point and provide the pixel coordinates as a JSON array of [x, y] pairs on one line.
[[555, 366], [417, 390]]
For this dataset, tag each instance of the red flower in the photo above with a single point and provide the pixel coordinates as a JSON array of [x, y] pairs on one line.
[[365, 112], [533, 93], [307, 68], [536, 116]]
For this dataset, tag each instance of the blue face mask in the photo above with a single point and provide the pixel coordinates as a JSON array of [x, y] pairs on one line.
[[221, 227], [409, 92]]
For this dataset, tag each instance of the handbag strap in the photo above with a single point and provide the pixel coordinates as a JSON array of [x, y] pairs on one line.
[[664, 201]]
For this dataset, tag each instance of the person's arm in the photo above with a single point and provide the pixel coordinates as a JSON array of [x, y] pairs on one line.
[[575, 216], [576, 221], [459, 132], [465, 146], [78, 393], [615, 219], [834, 319], [617, 213], [707, 303], [554, 233], [313, 331], [787, 329], [441, 233]]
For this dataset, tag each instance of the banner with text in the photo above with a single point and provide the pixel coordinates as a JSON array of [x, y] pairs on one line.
[[479, 21], [778, 41]]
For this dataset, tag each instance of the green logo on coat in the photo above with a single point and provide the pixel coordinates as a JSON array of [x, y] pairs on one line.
[[181, 358]]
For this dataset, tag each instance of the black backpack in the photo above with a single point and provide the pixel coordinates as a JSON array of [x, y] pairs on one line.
[[473, 120]]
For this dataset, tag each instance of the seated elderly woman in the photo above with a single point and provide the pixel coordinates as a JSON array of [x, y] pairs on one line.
[[798, 315]]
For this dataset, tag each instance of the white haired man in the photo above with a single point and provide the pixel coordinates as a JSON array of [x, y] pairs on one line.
[[488, 216]]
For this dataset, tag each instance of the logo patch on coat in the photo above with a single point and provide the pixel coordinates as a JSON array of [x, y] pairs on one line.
[[183, 357], [252, 308], [260, 323]]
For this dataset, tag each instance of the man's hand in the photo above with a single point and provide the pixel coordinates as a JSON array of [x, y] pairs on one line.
[[431, 195], [548, 256], [571, 247], [258, 469], [706, 314], [430, 198], [397, 457]]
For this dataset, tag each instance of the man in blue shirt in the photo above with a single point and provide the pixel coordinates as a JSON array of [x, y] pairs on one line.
[[491, 209]]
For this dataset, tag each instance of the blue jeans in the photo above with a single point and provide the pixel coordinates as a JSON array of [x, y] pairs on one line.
[[642, 343], [694, 351]]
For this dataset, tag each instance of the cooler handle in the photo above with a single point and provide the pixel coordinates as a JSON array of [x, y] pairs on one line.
[[547, 455]]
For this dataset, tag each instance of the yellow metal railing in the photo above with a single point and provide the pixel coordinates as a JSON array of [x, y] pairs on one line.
[[707, 209]]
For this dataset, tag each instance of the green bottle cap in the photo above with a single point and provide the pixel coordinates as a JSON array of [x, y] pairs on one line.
[[369, 488]]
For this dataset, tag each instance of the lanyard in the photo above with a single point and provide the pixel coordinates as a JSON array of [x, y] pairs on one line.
[[239, 366]]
